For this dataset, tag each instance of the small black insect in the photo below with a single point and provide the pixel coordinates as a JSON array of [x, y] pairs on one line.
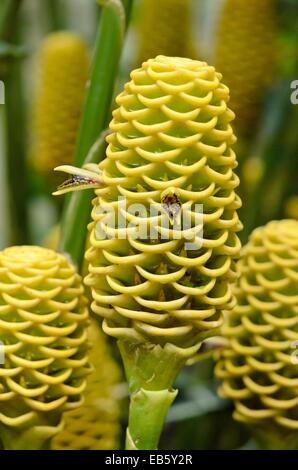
[[171, 204]]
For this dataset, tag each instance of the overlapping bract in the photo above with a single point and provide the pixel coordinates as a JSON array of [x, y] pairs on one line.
[[43, 318], [245, 55], [95, 425], [170, 134], [259, 369], [164, 27], [63, 72]]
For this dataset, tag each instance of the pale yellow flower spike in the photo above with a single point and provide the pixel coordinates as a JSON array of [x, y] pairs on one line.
[[170, 146], [43, 326], [63, 68], [259, 369], [246, 56]]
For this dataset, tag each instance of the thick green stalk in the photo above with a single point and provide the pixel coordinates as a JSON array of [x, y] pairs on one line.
[[147, 414], [10, 73], [128, 4], [8, 9], [107, 54], [151, 371], [56, 14], [16, 157], [96, 115], [77, 210]]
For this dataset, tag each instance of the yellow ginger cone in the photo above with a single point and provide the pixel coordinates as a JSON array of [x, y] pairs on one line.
[[259, 368], [164, 27], [43, 327], [162, 293], [95, 425], [245, 55], [63, 72], [171, 139]]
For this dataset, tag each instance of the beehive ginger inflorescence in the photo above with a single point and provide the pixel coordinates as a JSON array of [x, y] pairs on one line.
[[169, 148], [245, 53], [259, 368], [63, 64], [43, 329]]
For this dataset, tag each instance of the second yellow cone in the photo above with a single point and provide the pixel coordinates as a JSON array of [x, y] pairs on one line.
[[59, 96], [245, 55]]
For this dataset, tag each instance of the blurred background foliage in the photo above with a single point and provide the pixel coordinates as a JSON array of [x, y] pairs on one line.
[[253, 43]]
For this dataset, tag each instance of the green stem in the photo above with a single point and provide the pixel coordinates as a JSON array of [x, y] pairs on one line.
[[151, 371], [73, 239], [147, 414], [8, 11], [128, 4], [56, 14], [14, 124], [16, 158], [96, 115], [107, 54]]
